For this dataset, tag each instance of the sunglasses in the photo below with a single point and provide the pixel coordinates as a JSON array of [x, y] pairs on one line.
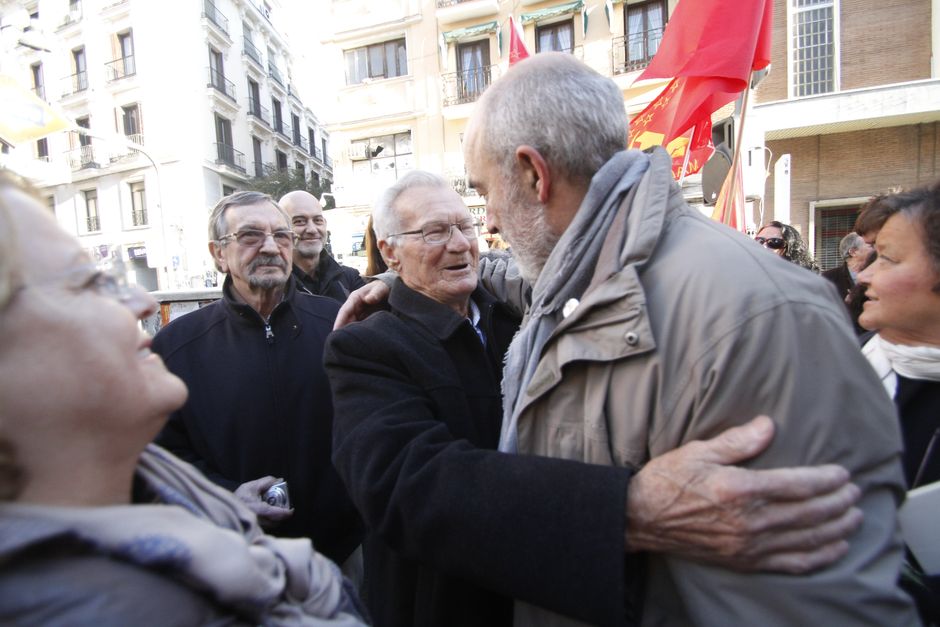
[[774, 243]]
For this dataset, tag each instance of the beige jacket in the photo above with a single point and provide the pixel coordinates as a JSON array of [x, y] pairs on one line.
[[689, 330]]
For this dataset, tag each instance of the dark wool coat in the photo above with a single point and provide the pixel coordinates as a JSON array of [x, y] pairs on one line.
[[455, 530], [332, 280], [260, 404]]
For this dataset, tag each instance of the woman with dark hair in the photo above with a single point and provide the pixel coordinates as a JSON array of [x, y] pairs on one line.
[[784, 240], [97, 525], [902, 287]]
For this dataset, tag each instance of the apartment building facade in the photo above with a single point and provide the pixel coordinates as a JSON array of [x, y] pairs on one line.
[[184, 102], [408, 72]]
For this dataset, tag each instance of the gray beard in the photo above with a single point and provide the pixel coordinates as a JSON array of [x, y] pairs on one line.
[[528, 234]]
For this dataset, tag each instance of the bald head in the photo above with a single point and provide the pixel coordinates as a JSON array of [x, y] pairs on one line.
[[309, 224], [551, 101]]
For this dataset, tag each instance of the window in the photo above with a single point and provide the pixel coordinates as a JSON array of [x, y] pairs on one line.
[[557, 37], [644, 24], [832, 224], [80, 75], [225, 148], [301, 170], [227, 190], [473, 71], [384, 60], [138, 204], [85, 122], [278, 119], [92, 222], [126, 48], [254, 98], [281, 160], [216, 69], [39, 87], [312, 140], [256, 155], [42, 149], [813, 47], [315, 178], [295, 125], [131, 123], [382, 158]]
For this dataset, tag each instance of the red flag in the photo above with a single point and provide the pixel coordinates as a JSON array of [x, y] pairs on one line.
[[729, 208], [517, 49], [710, 50]]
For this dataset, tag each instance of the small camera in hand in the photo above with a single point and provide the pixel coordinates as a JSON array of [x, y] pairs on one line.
[[277, 496]]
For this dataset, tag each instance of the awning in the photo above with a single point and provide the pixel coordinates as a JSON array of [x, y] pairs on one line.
[[550, 12], [461, 34]]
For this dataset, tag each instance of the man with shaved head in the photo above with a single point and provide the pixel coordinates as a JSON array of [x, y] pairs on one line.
[[314, 268]]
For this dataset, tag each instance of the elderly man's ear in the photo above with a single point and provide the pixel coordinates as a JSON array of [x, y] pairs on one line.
[[388, 254], [535, 173], [215, 249]]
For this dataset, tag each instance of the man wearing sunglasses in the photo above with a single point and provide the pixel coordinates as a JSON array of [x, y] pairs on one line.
[[259, 409]]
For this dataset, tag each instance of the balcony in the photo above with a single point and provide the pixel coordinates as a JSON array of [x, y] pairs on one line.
[[468, 85], [630, 53], [449, 11], [120, 68], [260, 113], [75, 84], [252, 52], [275, 74], [458, 181], [139, 217], [221, 84], [317, 154], [92, 224], [210, 12], [228, 156], [284, 130], [82, 157], [40, 92]]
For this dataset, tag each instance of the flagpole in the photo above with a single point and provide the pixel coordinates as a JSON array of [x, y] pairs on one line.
[[688, 153], [737, 150]]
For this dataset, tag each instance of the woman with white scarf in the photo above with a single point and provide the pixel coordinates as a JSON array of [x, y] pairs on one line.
[[903, 308], [97, 526]]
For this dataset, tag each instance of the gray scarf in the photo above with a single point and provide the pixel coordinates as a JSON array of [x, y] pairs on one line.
[[566, 275], [202, 536]]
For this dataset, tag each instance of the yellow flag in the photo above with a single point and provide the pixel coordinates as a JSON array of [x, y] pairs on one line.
[[23, 116]]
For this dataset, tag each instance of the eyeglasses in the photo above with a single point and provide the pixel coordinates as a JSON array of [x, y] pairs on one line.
[[436, 233], [774, 243], [251, 238]]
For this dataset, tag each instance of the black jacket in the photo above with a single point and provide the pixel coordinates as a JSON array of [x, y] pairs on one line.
[[332, 280], [259, 404], [455, 529], [842, 279]]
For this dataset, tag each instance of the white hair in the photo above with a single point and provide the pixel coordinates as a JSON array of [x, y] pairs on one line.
[[385, 220], [850, 242]]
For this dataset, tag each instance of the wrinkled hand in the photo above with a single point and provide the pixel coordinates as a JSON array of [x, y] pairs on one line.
[[251, 493], [362, 303], [691, 502]]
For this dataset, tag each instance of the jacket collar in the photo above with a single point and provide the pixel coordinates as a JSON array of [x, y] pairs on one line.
[[247, 312], [439, 319]]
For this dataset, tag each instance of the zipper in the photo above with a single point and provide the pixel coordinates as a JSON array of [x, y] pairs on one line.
[[268, 333]]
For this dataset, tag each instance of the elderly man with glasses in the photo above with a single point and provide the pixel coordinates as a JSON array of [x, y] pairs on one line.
[[259, 409]]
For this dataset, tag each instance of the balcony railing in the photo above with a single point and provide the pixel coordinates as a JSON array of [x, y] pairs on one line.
[[139, 217], [258, 111], [40, 92], [76, 83], [252, 52], [634, 52], [468, 85], [120, 68], [285, 130], [328, 161], [137, 138], [458, 180], [317, 154], [275, 74], [82, 157], [227, 155], [218, 81], [257, 169], [215, 16], [92, 224]]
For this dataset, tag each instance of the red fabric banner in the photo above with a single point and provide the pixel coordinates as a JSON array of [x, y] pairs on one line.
[[517, 49]]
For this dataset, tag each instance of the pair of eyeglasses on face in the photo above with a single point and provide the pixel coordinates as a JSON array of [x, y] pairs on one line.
[[441, 232], [774, 243], [251, 238]]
